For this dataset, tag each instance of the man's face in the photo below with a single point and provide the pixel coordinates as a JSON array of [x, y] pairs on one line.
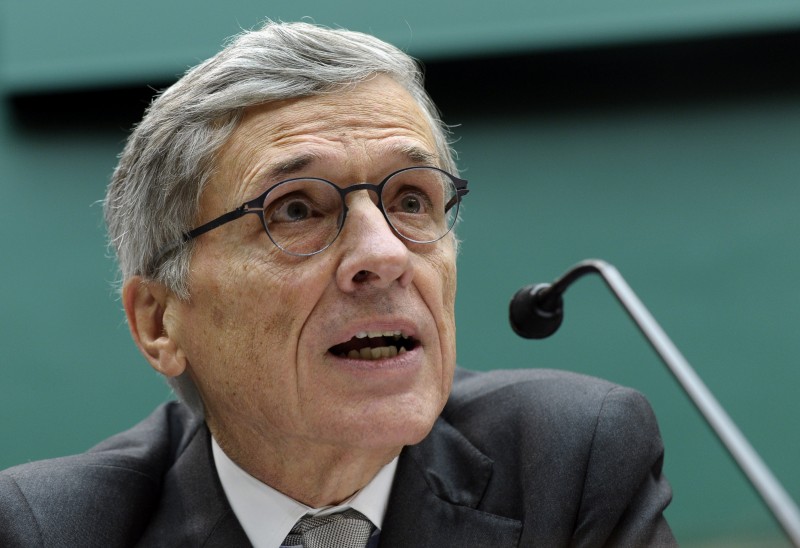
[[258, 329]]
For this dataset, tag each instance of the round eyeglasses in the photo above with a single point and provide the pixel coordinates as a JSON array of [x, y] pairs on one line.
[[303, 216]]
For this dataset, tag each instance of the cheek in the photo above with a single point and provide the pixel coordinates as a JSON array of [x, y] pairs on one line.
[[246, 314], [449, 298], [444, 316], [267, 309], [444, 265], [449, 283], [243, 340], [443, 273]]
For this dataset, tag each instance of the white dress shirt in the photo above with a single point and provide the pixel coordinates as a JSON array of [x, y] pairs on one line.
[[267, 515]]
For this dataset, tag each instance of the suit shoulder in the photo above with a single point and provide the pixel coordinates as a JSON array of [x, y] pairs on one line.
[[142, 449], [540, 387], [542, 403], [582, 454], [106, 491]]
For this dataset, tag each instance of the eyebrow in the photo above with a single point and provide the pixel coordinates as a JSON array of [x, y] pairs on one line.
[[297, 164], [291, 166], [420, 155]]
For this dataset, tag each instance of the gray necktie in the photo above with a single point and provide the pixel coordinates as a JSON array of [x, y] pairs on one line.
[[348, 529]]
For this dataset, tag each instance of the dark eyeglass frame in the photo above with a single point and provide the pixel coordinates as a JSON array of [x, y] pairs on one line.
[[256, 206]]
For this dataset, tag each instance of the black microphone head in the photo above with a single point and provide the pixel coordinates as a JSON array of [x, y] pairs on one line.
[[534, 313]]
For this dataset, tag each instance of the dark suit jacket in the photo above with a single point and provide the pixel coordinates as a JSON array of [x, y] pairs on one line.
[[518, 458]]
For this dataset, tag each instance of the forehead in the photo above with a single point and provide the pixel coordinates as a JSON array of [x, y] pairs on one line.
[[369, 127]]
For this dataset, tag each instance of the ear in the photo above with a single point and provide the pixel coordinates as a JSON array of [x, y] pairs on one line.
[[147, 304]]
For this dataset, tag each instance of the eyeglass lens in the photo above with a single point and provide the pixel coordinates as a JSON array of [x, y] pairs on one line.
[[304, 216]]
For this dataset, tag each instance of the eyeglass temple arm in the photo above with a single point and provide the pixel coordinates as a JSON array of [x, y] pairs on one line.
[[461, 191], [221, 220], [202, 229]]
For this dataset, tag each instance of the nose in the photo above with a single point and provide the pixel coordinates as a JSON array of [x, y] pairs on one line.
[[372, 254]]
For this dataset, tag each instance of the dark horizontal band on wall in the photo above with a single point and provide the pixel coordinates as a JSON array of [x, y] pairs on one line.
[[616, 76]]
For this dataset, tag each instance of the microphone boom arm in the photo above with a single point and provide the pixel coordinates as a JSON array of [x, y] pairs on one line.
[[782, 506]]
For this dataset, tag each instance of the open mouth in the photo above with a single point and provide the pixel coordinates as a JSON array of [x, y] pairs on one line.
[[375, 346]]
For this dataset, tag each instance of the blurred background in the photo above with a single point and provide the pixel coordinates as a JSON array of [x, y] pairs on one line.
[[662, 137]]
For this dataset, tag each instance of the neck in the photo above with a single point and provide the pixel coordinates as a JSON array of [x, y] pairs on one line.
[[313, 474]]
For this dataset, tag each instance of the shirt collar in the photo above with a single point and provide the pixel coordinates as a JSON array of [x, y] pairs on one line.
[[267, 515]]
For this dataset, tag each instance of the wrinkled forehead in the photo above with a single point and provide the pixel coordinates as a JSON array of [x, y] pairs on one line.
[[375, 121]]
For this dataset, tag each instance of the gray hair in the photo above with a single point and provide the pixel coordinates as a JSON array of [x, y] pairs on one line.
[[154, 195]]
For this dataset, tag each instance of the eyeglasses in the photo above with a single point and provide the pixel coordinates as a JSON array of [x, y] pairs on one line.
[[303, 216]]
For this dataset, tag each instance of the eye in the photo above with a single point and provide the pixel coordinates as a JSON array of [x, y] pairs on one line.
[[410, 200], [411, 203], [291, 211]]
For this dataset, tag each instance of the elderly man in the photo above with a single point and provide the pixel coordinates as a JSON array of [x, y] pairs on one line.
[[283, 221]]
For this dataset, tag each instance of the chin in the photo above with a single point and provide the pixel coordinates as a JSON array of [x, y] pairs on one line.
[[397, 426]]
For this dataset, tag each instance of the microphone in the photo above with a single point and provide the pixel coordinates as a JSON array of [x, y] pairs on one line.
[[536, 312]]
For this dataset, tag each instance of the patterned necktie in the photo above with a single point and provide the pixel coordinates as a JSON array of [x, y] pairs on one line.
[[348, 529]]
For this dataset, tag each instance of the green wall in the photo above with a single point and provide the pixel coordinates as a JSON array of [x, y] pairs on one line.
[[53, 45], [674, 160]]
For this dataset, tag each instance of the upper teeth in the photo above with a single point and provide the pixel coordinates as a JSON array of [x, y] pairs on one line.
[[376, 334]]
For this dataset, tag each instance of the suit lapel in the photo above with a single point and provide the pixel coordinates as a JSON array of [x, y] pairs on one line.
[[437, 489], [194, 510]]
